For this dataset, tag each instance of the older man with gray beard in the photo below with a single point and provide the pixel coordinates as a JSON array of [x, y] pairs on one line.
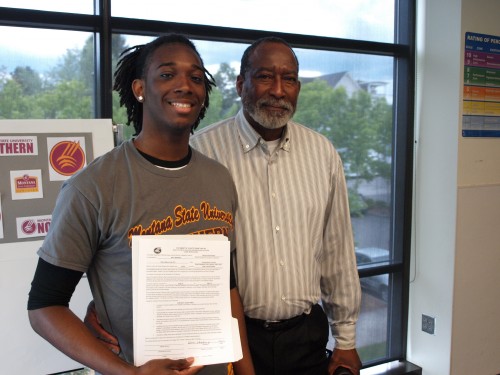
[[294, 236]]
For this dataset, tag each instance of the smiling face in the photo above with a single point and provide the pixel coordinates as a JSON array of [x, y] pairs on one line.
[[270, 87], [173, 89]]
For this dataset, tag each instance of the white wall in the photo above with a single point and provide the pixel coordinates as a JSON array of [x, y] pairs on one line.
[[476, 306], [456, 251]]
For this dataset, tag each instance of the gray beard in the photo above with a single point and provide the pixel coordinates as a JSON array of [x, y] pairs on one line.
[[267, 120]]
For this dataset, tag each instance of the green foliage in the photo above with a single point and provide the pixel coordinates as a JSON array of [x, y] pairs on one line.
[[62, 101], [216, 110], [381, 115], [66, 101], [28, 79], [67, 69], [360, 127], [67, 91], [15, 105], [213, 113], [225, 79], [120, 117], [357, 205]]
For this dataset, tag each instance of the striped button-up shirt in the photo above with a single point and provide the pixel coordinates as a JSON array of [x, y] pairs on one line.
[[294, 242]]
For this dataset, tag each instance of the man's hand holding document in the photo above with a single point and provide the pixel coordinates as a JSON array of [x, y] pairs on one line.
[[181, 299]]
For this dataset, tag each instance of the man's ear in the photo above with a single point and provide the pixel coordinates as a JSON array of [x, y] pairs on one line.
[[239, 84], [138, 87]]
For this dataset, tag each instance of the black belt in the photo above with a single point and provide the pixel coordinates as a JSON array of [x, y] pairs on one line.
[[276, 325]]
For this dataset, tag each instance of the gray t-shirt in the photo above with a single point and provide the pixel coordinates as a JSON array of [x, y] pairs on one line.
[[122, 194]]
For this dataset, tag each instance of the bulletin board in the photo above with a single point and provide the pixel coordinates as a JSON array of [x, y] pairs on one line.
[[36, 157]]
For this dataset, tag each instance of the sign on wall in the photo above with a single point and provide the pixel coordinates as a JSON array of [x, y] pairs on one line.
[[481, 92]]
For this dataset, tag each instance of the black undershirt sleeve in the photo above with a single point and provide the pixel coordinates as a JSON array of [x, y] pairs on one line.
[[52, 285]]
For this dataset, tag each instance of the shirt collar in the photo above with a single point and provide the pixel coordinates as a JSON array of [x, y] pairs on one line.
[[249, 138]]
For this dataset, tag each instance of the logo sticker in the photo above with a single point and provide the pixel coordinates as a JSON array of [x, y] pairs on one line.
[[26, 184], [33, 226], [66, 157]]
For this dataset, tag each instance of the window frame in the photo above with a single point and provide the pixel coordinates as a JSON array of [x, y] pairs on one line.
[[103, 25]]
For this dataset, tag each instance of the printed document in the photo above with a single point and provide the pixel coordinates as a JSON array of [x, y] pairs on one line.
[[181, 299]]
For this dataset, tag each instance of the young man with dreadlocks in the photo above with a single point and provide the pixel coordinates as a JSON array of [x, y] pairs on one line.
[[295, 241], [164, 87]]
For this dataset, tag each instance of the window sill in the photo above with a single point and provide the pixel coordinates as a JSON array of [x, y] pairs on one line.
[[393, 368]]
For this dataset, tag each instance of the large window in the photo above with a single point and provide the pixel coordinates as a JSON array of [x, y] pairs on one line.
[[361, 19], [356, 68]]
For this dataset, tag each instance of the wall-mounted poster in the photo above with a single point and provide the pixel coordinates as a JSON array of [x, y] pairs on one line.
[[481, 92]]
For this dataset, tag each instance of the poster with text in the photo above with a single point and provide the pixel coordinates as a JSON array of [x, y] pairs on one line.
[[481, 91]]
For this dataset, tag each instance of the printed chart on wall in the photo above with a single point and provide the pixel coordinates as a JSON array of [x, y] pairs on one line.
[[481, 95]]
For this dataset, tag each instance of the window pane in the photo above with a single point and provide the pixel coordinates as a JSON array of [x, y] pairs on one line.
[[348, 98], [68, 6], [46, 74], [371, 329], [354, 19]]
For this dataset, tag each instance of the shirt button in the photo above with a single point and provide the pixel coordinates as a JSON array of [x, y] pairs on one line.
[[273, 195], [277, 228], [282, 263], [247, 146], [283, 298]]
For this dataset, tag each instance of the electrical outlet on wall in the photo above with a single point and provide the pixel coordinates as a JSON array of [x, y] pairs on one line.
[[428, 324]]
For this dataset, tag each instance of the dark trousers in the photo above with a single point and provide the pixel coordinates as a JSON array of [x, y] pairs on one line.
[[296, 347]]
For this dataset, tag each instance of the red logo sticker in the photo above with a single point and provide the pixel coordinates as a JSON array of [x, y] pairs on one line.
[[67, 158], [28, 226]]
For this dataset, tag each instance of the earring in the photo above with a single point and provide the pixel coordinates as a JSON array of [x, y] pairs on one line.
[[140, 98]]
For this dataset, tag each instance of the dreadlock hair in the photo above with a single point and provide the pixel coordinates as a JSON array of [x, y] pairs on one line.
[[133, 64], [245, 59]]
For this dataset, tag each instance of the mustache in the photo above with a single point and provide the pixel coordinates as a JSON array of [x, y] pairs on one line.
[[285, 104]]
